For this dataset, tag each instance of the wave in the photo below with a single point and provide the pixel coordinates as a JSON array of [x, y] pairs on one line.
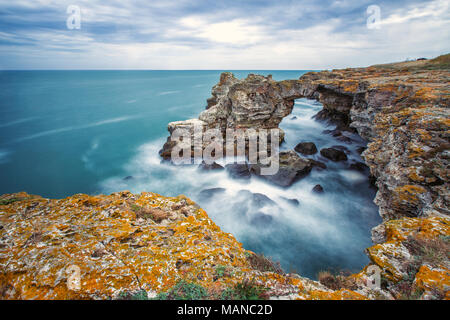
[[71, 128], [167, 92], [4, 155], [19, 121], [86, 157]]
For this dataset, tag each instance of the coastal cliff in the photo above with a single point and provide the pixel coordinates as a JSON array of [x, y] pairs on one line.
[[124, 244]]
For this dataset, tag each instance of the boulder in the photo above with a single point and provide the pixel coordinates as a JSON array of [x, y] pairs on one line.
[[291, 169], [318, 188], [209, 193], [358, 166], [333, 154], [238, 170], [306, 148]]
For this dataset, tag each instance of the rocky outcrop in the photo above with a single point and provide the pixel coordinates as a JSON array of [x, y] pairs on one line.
[[256, 102], [114, 246], [402, 110]]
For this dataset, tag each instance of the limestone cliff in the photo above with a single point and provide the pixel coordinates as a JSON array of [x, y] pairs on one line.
[[147, 242], [125, 243], [402, 110]]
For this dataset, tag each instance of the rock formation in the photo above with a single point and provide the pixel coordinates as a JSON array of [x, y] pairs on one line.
[[147, 242], [402, 110], [123, 244]]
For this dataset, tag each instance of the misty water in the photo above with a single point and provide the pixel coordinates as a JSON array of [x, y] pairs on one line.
[[85, 131]]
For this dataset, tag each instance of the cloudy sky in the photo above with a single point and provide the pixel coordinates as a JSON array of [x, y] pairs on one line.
[[215, 34]]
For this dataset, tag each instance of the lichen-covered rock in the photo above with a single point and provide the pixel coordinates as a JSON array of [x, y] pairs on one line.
[[402, 110], [120, 243]]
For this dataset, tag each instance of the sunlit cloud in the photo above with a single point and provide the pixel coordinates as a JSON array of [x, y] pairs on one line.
[[232, 34]]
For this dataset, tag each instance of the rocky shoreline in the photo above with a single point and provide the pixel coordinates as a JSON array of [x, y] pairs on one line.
[[129, 243]]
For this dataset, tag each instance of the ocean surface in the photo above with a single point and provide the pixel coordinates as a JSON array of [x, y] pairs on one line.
[[68, 132]]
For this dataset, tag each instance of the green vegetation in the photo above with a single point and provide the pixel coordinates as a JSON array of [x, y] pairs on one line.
[[337, 281], [184, 290], [245, 290], [139, 295], [135, 207], [434, 252], [261, 263], [4, 202], [223, 271]]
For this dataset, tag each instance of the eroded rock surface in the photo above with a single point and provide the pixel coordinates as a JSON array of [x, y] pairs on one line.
[[126, 243]]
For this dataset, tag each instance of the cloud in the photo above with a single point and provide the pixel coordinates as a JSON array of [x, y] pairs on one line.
[[286, 34]]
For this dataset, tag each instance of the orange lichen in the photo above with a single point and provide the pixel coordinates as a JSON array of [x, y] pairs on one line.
[[432, 279], [409, 193]]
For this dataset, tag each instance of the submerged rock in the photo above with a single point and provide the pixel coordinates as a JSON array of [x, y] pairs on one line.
[[261, 219], [306, 148], [291, 169], [238, 170], [318, 188], [208, 167], [258, 200], [358, 166], [333, 154], [209, 193], [318, 164], [293, 202]]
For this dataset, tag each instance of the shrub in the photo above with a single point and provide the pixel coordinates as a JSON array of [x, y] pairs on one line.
[[336, 281], [221, 271], [245, 290], [4, 202], [434, 251], [137, 295], [184, 290], [261, 263]]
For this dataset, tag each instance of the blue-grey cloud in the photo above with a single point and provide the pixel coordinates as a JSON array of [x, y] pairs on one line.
[[287, 34]]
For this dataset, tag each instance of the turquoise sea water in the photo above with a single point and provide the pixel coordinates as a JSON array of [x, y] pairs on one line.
[[67, 132]]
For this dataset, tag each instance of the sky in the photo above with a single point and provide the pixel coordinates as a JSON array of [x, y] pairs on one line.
[[219, 35]]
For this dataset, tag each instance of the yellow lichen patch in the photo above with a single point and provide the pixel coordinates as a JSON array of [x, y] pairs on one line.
[[350, 85], [426, 93], [425, 228], [414, 176], [343, 294], [429, 279], [409, 193], [391, 255], [415, 151]]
